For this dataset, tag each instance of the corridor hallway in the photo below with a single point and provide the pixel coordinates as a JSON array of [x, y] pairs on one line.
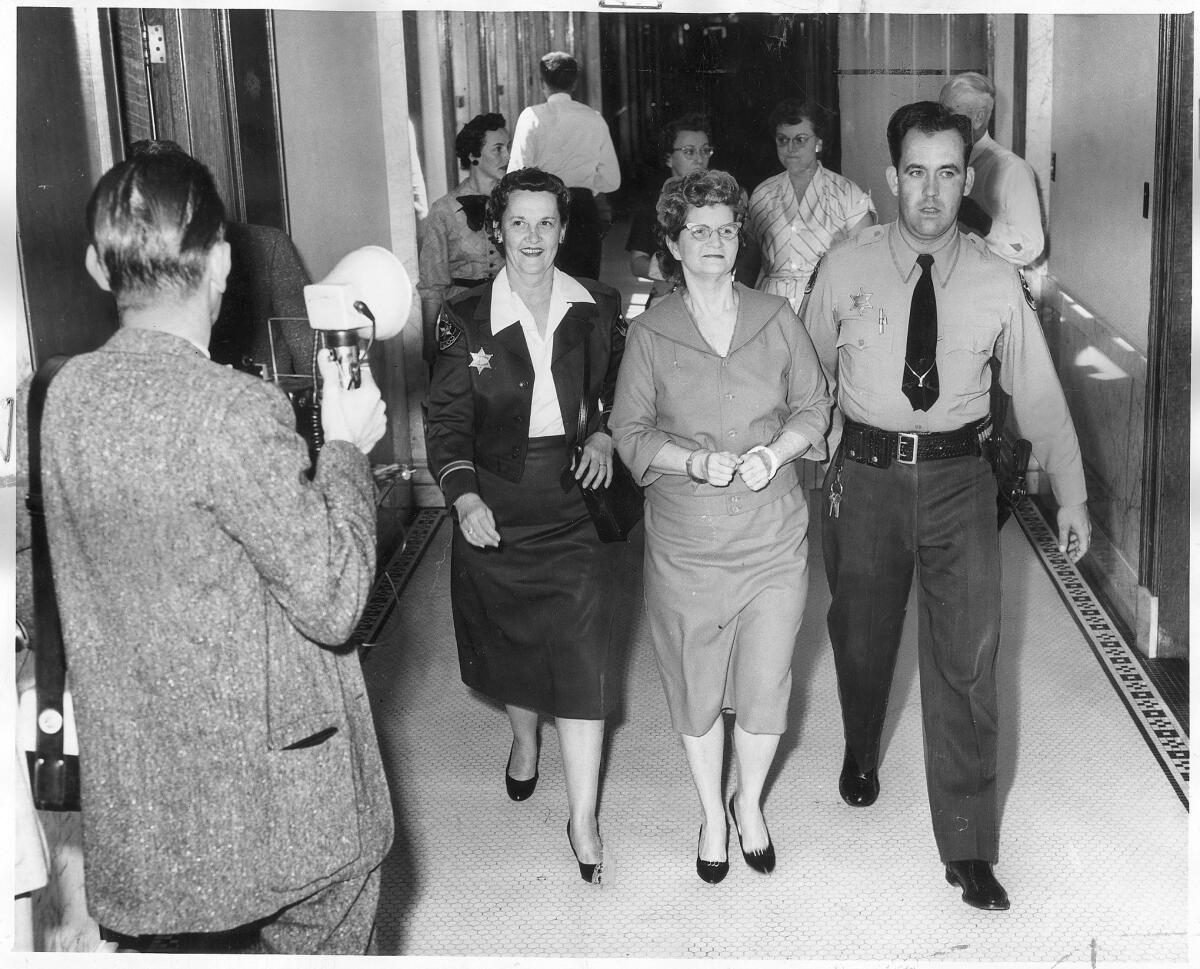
[[1093, 834], [1093, 778]]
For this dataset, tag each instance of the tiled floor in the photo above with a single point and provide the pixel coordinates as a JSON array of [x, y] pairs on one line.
[[1093, 829]]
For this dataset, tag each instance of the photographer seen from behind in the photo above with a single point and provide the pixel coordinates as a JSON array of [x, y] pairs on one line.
[[232, 790]]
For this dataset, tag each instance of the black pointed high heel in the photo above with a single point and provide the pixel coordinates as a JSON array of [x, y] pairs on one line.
[[711, 871], [518, 790], [591, 874], [762, 860]]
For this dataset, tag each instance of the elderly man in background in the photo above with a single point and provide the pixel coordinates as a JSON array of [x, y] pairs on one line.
[[572, 141], [1003, 204], [232, 790]]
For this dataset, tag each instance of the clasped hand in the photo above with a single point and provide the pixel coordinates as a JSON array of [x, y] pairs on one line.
[[719, 467]]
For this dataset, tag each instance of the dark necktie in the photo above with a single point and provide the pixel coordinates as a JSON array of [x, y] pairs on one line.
[[920, 384]]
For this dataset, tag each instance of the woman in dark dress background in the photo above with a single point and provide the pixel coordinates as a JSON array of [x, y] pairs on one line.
[[532, 586]]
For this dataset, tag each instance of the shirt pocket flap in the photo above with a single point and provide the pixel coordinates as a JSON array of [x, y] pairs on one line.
[[972, 339]]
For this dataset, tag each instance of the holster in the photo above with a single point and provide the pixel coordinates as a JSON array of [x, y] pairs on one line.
[[1010, 462]]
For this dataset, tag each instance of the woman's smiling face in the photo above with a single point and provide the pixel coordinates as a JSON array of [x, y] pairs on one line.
[[531, 231]]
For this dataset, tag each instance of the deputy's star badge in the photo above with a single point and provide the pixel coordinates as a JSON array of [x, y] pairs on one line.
[[861, 300], [481, 360]]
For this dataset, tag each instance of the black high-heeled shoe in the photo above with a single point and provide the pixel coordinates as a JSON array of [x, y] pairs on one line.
[[518, 790], [591, 874], [762, 860], [711, 871]]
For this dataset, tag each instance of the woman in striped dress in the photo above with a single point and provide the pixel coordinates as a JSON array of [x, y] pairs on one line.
[[797, 215]]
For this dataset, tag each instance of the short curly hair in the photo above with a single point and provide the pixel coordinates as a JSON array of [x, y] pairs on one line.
[[694, 190], [469, 142], [794, 111], [695, 121], [525, 180]]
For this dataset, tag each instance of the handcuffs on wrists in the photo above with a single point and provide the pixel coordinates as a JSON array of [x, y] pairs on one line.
[[772, 460]]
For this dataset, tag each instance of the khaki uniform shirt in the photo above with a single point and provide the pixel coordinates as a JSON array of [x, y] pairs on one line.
[[857, 316]]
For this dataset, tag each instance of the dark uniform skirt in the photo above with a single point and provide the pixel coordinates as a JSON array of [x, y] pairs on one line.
[[533, 617]]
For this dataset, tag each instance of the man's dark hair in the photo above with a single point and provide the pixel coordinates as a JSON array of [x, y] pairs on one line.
[[153, 220], [525, 180], [694, 121], [469, 143], [559, 70], [927, 117], [795, 111]]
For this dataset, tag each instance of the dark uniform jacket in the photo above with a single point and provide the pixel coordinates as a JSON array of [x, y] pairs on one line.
[[481, 390]]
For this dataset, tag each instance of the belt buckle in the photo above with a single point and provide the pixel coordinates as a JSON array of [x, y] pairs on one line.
[[906, 448]]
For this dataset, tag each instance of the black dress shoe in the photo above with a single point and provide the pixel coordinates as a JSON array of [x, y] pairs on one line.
[[979, 885], [711, 871], [858, 788], [518, 790], [762, 860], [592, 874]]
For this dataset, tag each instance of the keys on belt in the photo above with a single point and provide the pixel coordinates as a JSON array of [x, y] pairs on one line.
[[879, 448]]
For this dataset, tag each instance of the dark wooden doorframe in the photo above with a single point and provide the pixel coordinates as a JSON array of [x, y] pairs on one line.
[[1165, 545], [63, 146], [215, 93]]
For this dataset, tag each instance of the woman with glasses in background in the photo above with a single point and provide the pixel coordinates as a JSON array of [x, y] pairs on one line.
[[686, 147], [797, 215], [719, 393]]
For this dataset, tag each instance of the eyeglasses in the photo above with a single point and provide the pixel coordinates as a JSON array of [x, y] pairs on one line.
[[702, 233], [783, 141], [691, 151]]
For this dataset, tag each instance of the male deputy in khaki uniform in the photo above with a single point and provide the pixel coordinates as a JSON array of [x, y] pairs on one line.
[[906, 341]]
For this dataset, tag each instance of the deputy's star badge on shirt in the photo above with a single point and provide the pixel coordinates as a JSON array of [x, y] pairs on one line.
[[861, 300], [481, 360]]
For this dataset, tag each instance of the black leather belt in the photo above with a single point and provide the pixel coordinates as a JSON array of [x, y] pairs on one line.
[[879, 448], [469, 283]]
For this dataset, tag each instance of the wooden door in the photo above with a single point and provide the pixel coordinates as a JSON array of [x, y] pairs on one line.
[[206, 80], [65, 141], [1165, 543]]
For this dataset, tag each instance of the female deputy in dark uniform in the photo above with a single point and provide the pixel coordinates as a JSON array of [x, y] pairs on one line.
[[720, 391], [532, 586]]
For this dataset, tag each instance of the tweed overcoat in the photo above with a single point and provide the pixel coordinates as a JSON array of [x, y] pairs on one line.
[[229, 761]]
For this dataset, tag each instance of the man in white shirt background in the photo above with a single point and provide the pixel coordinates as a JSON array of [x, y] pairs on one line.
[[1003, 205], [572, 141]]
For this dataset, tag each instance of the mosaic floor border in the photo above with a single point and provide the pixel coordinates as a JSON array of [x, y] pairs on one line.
[[1158, 725], [392, 580]]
